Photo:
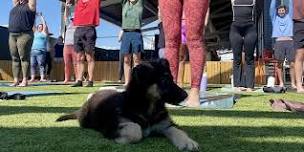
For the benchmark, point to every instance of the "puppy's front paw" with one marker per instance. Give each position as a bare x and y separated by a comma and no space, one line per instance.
187,144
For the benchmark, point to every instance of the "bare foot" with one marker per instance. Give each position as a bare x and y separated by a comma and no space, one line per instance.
43,80
293,86
32,80
249,90
281,85
242,88
237,89
65,81
193,98
14,84
301,90
23,84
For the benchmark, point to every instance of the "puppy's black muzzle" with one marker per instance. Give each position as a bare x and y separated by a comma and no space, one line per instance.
173,94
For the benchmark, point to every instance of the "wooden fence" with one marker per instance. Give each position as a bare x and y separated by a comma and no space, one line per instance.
218,72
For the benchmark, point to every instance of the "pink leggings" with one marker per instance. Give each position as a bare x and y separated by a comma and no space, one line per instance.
70,57
195,12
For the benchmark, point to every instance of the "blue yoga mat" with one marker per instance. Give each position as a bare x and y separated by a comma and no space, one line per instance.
5,85
214,101
34,93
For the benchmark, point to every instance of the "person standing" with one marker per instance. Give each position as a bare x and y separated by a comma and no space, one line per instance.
69,53
195,11
21,22
282,32
298,17
243,36
131,41
39,49
86,18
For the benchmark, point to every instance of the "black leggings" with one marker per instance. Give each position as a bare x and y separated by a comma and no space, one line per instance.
48,63
243,36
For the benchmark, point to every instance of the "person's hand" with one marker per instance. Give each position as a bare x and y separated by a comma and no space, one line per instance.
68,3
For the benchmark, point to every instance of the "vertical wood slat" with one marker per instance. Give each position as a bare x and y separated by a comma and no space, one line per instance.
6,70
225,72
213,72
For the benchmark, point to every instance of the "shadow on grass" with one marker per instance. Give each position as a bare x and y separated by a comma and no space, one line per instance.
56,94
9,110
210,138
237,114
42,93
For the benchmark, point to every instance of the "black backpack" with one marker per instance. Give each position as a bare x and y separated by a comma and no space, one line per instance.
17,96
274,89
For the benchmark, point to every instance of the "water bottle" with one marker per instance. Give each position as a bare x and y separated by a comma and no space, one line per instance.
270,81
204,82
231,81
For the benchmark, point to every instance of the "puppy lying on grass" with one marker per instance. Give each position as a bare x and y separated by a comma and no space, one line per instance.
139,111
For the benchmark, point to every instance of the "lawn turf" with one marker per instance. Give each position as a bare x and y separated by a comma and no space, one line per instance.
29,126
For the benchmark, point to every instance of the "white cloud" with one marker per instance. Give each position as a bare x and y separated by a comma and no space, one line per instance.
5,25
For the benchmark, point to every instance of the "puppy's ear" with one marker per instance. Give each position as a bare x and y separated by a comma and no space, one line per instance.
142,75
136,75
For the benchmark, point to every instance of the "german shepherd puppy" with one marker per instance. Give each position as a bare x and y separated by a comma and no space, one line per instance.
139,111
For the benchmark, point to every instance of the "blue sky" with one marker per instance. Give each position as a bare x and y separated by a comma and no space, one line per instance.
51,10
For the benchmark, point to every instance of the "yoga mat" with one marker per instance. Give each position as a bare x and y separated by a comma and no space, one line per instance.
216,100
35,93
210,100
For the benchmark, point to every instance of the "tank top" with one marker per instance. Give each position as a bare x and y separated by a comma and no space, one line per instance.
40,41
21,19
243,10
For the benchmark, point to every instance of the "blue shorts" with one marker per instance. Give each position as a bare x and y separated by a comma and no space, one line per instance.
131,42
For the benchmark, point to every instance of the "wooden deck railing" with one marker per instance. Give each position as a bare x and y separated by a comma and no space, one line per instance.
218,72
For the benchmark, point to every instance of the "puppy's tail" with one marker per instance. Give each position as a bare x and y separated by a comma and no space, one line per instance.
69,116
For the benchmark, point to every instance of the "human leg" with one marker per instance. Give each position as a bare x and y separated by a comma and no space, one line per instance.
34,64
279,55
250,39
195,11
24,44
299,69
171,16
299,57
67,58
41,64
15,58
91,64
127,67
236,41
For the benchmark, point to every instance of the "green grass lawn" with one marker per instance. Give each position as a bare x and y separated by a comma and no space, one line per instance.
29,126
